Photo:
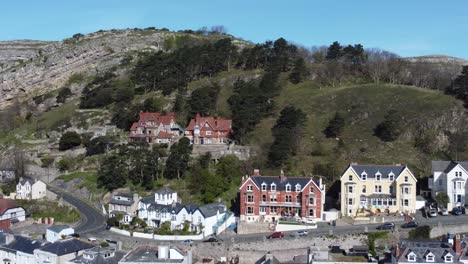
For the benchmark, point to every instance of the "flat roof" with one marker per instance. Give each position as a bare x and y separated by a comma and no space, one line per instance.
148,254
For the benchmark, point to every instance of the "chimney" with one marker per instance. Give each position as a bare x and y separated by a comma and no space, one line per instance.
397,251
256,172
398,164
281,175
268,256
136,197
457,244
354,163
320,182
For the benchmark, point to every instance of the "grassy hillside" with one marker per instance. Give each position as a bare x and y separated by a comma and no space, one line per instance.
363,107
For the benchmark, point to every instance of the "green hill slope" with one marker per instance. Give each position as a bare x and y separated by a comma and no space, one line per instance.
364,106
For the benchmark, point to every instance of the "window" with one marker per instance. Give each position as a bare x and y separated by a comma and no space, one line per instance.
249,210
272,209
311,190
448,258
412,257
378,176
350,189
404,202
364,177
273,198
458,174
273,187
208,132
149,131
311,212
406,178
391,177
264,198
364,189
378,188
288,198
406,190
288,187
250,198
459,185
249,187
350,177
173,217
390,189
350,201
298,187
311,201
264,187
184,217
199,219
430,257
262,210
298,199
440,182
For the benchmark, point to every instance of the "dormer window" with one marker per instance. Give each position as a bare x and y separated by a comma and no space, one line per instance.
430,257
391,176
448,258
288,187
378,176
264,187
298,187
412,257
364,176
249,188
273,187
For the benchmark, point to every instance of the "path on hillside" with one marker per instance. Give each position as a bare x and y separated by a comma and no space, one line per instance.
91,219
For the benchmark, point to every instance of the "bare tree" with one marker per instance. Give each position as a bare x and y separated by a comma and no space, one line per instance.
219,29
378,63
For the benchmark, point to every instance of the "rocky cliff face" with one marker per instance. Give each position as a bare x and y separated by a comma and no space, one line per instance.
31,68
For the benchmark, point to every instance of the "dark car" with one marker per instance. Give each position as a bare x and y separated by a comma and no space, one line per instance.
410,224
457,211
276,235
386,226
212,240
75,235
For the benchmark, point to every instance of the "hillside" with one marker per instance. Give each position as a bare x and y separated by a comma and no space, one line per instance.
363,107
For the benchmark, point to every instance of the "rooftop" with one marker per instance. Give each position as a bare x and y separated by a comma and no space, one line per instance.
67,246
148,254
57,228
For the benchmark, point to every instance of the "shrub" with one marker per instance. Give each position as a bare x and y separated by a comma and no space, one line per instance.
47,161
104,244
63,94
420,232
69,140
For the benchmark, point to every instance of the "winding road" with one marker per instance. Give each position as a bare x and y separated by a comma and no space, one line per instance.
91,219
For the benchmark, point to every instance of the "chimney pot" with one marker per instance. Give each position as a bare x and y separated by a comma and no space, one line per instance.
256,172
457,242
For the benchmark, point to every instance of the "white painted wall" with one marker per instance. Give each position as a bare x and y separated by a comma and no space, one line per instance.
17,212
8,254
52,236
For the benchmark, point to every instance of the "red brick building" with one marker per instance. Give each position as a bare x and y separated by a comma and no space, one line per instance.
208,130
154,127
267,198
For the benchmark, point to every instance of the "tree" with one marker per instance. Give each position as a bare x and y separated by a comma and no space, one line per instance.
299,71
153,104
203,100
98,145
69,140
112,173
390,129
287,133
229,167
459,87
178,159
63,94
335,126
334,51
442,199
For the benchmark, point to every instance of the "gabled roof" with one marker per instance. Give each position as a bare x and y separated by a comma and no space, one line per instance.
6,204
57,228
157,117
24,180
384,170
134,126
64,247
281,184
99,258
165,190
215,123
163,134
212,209
446,165
422,248
26,245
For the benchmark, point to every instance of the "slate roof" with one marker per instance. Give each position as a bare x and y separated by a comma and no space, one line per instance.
57,228
153,206
64,247
265,260
385,170
165,190
446,165
281,185
212,209
23,180
99,258
422,248
26,245
121,202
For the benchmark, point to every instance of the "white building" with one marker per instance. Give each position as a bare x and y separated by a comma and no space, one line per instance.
30,189
164,207
157,255
125,205
61,251
10,213
18,249
57,232
450,177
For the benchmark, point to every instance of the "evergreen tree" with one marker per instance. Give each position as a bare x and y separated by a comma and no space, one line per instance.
112,173
177,162
299,71
459,87
69,140
391,128
335,126
287,133
335,51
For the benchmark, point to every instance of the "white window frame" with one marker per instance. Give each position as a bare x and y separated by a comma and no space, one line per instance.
262,209
250,207
298,187
448,258
208,132
288,198
411,258
273,187
288,187
406,179
249,187
350,178
364,176
378,176
350,201
391,176
377,188
364,189
264,186
350,189
430,257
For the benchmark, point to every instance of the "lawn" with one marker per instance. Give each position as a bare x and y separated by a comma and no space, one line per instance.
45,208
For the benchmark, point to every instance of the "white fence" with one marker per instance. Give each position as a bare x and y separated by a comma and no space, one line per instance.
156,237
120,231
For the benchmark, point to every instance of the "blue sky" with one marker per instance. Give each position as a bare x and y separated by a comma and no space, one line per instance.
406,27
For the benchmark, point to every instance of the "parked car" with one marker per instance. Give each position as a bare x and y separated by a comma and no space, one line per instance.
457,211
189,242
309,220
410,224
92,239
433,213
444,212
212,239
110,241
276,235
300,233
386,226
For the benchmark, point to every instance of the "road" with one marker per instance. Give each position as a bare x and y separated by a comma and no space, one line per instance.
91,219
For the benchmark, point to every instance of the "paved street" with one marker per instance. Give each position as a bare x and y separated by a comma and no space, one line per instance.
91,219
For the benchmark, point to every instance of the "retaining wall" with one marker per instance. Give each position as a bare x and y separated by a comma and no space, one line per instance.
443,229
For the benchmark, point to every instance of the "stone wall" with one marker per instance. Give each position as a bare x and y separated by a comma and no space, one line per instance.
440,230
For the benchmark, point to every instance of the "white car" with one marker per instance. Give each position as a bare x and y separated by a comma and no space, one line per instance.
187,242
92,239
444,212
302,233
433,213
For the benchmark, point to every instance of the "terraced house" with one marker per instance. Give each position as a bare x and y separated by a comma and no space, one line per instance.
377,189
267,198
